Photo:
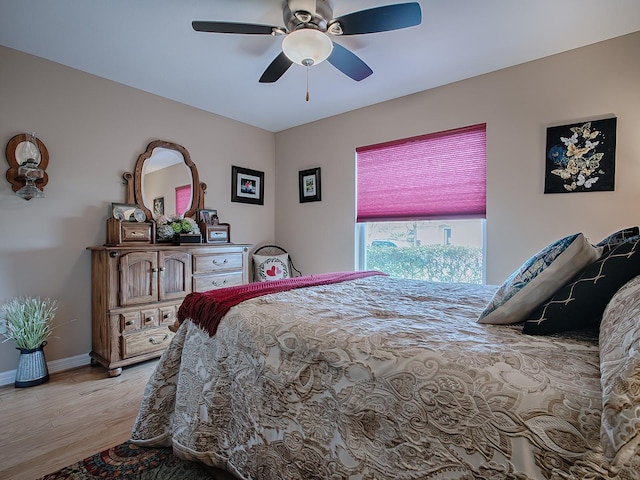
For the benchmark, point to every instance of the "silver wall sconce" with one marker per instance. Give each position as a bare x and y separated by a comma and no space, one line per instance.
28,159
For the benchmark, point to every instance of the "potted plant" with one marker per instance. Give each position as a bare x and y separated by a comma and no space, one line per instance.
173,228
28,322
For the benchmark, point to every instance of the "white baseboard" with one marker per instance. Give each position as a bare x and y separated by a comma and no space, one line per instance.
68,363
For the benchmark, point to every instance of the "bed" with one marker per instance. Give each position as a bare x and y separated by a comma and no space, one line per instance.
372,378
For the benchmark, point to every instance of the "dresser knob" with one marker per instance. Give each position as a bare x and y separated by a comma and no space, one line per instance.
129,322
148,319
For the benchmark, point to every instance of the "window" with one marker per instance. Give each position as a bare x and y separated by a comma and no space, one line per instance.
427,197
183,199
424,250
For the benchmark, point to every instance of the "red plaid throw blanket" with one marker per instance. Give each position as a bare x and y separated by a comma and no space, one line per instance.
206,309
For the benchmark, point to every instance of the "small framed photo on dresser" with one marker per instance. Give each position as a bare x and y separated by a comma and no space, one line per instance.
208,217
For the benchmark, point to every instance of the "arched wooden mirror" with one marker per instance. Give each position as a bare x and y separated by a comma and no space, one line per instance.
165,181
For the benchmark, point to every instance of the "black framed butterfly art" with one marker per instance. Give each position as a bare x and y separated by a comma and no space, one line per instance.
581,157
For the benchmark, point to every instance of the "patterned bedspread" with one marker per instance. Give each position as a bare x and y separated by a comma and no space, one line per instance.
377,378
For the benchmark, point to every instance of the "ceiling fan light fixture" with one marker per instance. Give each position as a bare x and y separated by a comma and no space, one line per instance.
307,46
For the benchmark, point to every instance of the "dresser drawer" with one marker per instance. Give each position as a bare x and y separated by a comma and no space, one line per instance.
150,318
168,315
216,262
124,232
129,322
136,232
145,341
203,283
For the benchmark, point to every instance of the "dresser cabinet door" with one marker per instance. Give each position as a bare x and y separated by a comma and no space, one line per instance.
175,275
138,278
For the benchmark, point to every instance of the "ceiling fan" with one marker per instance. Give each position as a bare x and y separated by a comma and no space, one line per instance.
308,31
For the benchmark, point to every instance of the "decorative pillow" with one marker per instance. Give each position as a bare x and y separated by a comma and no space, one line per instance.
271,267
538,279
620,374
581,302
617,238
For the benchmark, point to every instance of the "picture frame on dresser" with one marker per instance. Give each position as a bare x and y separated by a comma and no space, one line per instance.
128,212
208,216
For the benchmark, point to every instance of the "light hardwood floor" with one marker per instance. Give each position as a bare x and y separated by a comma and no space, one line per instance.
75,414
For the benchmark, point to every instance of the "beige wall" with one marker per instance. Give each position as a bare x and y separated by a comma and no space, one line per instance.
94,130
517,104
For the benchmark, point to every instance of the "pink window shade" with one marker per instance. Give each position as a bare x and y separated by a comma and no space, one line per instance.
183,199
440,175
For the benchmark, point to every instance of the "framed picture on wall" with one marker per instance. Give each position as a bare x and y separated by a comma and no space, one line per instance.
580,157
309,185
247,186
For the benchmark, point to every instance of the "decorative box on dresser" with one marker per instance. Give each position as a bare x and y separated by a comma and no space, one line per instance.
137,289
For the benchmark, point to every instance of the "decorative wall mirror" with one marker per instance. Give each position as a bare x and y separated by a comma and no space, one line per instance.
165,177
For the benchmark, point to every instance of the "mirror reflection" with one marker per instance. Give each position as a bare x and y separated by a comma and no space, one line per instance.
166,178
167,183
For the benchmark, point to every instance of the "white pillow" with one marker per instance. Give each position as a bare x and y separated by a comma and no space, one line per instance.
538,279
271,267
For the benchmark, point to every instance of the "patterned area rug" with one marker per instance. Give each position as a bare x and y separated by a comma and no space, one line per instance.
131,462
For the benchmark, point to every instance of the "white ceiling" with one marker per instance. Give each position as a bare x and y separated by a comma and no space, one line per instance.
150,45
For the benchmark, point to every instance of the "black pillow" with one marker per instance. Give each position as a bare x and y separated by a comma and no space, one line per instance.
581,302
617,238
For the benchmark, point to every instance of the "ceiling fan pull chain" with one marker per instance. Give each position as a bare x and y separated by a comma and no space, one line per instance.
307,97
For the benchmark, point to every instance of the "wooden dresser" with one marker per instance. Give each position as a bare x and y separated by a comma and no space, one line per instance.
137,290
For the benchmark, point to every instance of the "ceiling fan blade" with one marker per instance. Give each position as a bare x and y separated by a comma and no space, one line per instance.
348,63
276,69
230,27
381,19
